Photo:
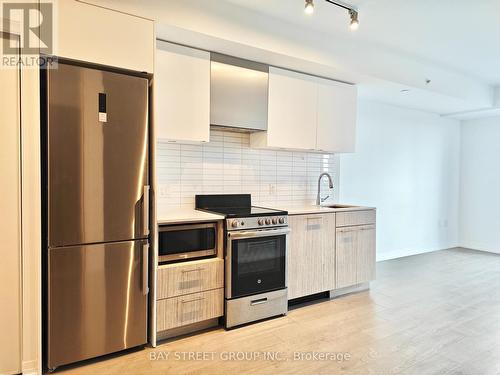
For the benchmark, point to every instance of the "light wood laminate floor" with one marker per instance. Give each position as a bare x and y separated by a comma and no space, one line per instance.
436,313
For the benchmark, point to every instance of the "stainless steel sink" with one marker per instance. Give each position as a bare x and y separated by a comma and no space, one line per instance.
339,206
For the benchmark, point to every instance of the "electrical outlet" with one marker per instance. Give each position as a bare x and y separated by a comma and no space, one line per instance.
443,223
272,189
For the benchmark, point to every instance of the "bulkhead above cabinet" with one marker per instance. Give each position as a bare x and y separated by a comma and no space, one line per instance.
97,35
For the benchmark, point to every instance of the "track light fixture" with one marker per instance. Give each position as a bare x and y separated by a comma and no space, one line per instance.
309,9
353,12
354,19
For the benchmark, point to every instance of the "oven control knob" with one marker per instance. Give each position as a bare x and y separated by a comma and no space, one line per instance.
275,221
282,220
268,221
260,221
234,224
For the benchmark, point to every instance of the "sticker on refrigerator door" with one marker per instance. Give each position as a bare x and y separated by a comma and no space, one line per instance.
103,115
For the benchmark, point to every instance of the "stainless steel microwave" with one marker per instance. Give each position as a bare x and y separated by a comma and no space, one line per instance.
180,242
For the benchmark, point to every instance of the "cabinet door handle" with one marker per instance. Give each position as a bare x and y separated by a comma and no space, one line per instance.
193,270
354,228
193,300
316,217
368,227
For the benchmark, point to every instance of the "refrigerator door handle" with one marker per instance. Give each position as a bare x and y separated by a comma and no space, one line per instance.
145,268
145,211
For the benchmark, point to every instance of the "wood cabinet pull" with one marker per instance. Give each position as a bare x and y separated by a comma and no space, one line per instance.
193,300
314,222
355,228
366,227
193,270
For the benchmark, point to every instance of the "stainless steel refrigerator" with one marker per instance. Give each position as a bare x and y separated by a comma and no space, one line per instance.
97,212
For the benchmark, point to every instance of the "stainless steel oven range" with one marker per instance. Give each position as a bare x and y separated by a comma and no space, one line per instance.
255,269
255,258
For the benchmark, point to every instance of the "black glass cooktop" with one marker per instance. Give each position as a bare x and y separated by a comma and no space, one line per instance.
233,205
245,211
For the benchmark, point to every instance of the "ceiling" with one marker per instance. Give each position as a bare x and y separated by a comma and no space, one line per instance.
462,35
400,44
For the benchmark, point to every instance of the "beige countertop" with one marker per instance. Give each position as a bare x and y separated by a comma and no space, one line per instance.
190,215
313,209
185,215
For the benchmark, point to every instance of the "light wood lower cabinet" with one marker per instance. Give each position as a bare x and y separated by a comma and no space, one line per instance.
330,251
346,258
190,277
355,254
311,258
188,309
189,292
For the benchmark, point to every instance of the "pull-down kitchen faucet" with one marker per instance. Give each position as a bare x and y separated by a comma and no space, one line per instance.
330,182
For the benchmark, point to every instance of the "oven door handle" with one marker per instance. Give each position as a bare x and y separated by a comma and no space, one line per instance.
258,233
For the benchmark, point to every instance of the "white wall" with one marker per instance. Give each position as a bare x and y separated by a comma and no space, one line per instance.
407,165
480,185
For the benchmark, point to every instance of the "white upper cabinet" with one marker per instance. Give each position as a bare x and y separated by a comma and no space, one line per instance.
337,104
308,113
182,93
292,111
98,35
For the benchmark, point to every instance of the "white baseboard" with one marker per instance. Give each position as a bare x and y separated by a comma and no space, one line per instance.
406,253
30,367
409,252
479,247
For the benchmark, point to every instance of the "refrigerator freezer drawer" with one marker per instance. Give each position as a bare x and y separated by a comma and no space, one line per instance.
97,300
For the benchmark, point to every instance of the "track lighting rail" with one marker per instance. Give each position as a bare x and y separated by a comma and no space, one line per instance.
342,5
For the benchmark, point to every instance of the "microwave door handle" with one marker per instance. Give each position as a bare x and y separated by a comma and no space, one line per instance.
256,234
145,211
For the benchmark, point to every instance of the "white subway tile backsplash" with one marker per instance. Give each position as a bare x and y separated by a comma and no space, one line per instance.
228,165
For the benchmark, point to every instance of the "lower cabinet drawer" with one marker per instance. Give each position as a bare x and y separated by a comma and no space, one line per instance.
346,219
260,306
178,279
192,308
